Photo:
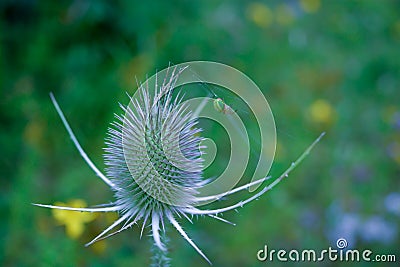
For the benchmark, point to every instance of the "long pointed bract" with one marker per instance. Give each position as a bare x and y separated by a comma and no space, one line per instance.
221,219
267,188
105,209
123,228
155,224
237,189
108,229
76,143
183,233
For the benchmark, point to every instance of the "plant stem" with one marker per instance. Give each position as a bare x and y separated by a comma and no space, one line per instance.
160,257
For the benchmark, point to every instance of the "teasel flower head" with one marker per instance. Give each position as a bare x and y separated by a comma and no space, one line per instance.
154,167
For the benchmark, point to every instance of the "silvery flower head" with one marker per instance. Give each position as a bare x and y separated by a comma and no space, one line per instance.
154,166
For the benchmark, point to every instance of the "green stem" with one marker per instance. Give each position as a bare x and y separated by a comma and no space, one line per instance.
160,257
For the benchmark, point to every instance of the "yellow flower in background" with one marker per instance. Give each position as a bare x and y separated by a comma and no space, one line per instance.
260,14
321,111
100,247
34,133
310,6
280,152
397,25
396,29
395,151
73,220
284,15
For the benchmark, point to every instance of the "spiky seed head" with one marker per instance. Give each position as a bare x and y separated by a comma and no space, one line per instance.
152,154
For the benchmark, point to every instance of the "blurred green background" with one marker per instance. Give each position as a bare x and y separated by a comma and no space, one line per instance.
329,66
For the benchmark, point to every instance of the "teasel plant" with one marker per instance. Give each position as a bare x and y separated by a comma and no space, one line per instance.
153,179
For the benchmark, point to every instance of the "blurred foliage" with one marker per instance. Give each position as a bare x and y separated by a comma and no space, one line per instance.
329,66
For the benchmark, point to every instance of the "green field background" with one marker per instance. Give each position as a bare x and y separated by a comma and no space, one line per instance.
330,66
